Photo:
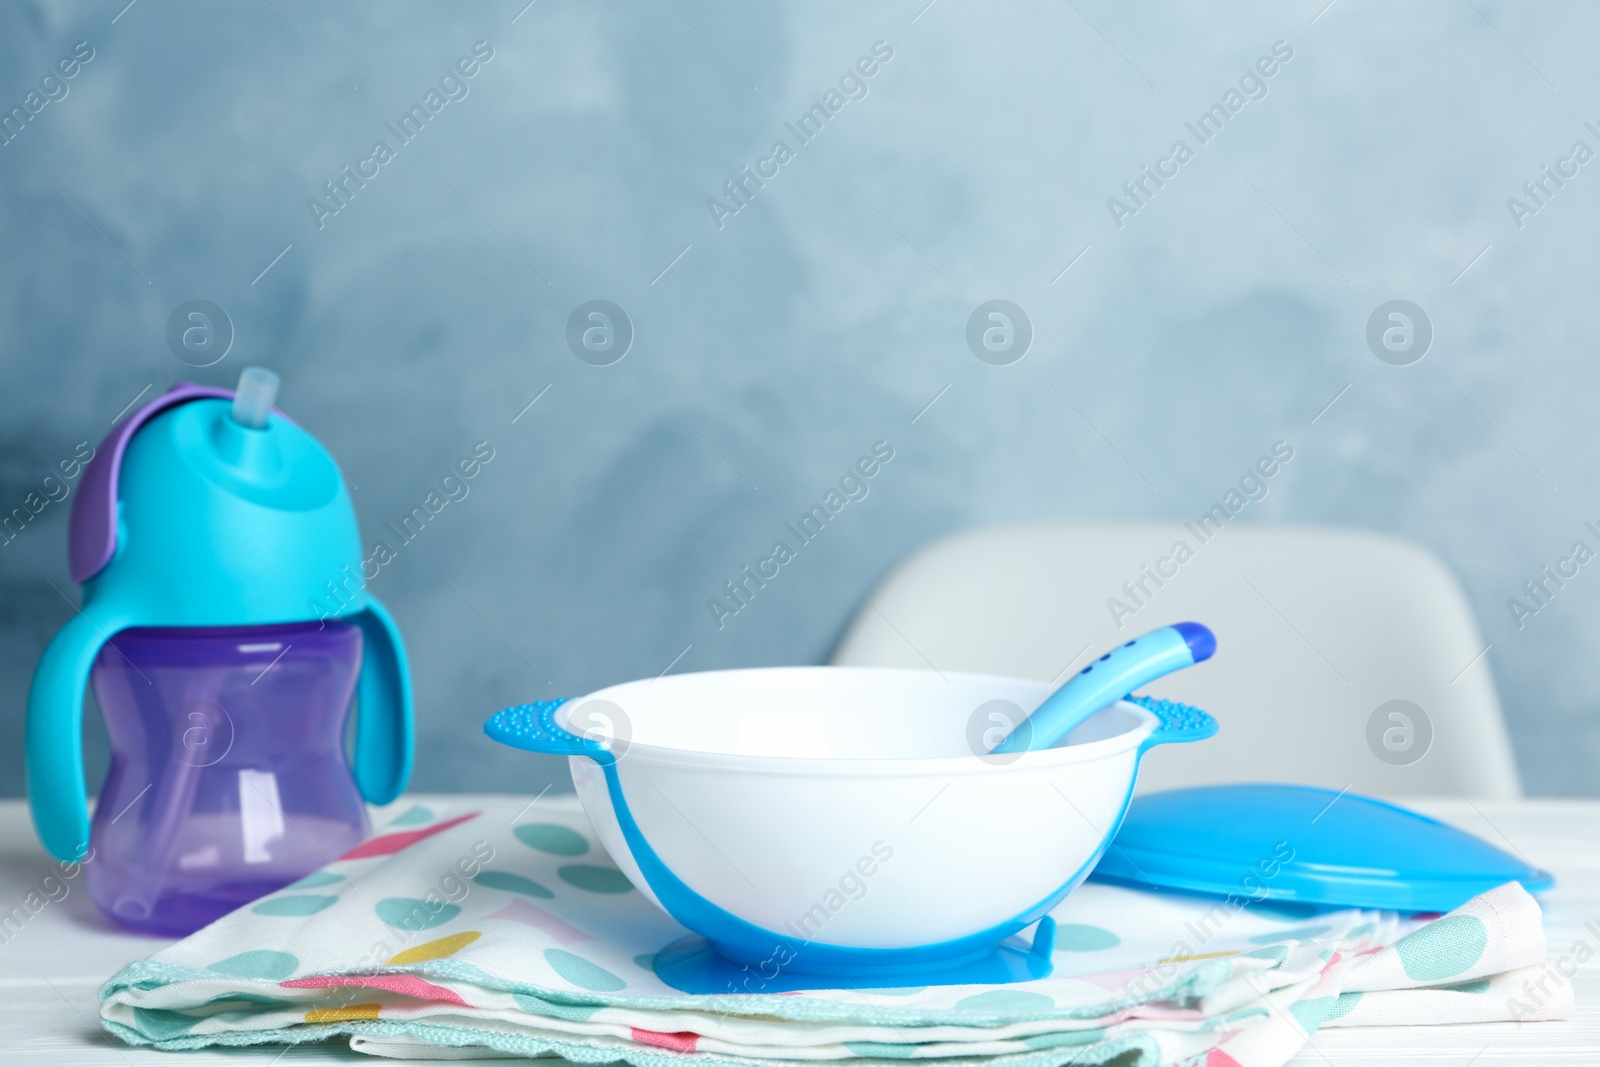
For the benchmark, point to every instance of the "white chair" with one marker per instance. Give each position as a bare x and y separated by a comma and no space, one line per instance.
1317,629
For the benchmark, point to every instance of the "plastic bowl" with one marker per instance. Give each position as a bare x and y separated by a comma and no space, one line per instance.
846,820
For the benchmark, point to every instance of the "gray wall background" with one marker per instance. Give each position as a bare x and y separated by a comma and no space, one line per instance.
427,313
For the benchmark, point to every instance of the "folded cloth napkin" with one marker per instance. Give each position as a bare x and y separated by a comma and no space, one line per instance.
502,927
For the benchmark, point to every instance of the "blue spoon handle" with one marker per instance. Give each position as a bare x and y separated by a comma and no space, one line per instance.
1108,679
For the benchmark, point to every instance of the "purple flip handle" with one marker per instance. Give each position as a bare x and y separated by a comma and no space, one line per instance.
92,530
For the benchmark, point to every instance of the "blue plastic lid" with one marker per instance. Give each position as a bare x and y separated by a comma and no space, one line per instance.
1292,843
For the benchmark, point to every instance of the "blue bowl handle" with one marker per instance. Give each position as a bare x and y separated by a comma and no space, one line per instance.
533,727
1179,722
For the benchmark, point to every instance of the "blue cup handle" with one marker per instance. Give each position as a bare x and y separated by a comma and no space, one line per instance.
384,745
1180,723
54,732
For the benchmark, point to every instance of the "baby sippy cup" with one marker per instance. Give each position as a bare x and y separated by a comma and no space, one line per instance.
225,631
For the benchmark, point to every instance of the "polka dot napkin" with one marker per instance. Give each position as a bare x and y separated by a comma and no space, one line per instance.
504,927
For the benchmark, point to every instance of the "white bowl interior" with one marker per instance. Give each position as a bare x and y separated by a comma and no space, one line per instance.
824,712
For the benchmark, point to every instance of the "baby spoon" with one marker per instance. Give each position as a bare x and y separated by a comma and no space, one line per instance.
1108,679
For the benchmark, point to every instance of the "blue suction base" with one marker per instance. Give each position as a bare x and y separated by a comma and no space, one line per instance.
692,965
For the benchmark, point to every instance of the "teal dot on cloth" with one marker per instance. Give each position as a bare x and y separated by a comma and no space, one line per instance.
551,838
161,1025
1225,1021
1443,948
298,904
259,963
1081,937
318,879
878,1050
540,1006
413,817
1005,1001
1275,953
1311,1013
1347,1003
1064,1039
595,879
512,883
1302,933
581,973
1284,910
1480,986
223,1003
646,961
409,913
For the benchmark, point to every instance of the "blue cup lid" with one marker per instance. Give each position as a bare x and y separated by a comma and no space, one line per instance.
1262,843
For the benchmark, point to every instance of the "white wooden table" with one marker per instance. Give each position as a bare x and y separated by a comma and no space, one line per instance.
51,968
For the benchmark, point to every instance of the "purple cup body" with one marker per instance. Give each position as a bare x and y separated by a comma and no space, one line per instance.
228,778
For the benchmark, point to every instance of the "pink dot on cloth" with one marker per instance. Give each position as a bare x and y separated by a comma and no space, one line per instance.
407,985
1113,979
520,911
679,1042
389,844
